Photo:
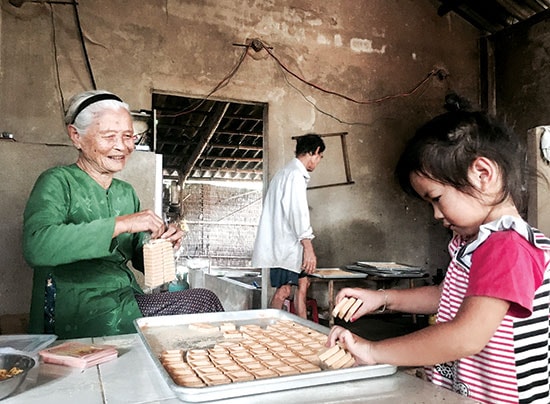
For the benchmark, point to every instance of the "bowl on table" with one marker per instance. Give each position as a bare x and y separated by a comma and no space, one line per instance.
17,367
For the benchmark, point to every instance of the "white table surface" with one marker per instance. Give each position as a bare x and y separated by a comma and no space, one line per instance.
133,378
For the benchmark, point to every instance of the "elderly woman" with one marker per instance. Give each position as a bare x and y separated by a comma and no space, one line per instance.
82,226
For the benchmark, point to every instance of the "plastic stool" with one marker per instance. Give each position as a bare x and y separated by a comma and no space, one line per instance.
311,306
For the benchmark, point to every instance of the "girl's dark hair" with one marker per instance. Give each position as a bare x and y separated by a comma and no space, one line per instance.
309,144
444,148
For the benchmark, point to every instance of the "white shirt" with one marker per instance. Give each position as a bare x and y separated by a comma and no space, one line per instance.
284,221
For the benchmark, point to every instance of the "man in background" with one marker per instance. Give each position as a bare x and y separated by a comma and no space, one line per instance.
283,242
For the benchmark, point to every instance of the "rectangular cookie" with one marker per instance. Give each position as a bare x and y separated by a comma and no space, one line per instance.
339,306
353,309
328,353
346,307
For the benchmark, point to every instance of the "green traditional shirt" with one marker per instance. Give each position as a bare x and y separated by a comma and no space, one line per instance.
68,226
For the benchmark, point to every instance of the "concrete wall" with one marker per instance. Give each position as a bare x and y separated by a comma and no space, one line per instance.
364,50
522,67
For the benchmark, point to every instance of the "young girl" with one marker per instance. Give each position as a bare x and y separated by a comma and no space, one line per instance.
491,339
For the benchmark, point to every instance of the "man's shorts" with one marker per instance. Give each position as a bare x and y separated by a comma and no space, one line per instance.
280,277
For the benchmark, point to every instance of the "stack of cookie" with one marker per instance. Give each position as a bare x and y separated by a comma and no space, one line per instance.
346,308
336,358
159,263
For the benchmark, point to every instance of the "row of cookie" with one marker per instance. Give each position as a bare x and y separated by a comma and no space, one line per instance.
230,329
202,371
333,358
279,344
282,336
284,347
288,327
282,329
248,351
287,333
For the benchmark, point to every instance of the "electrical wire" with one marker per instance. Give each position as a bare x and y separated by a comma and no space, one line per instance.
434,72
257,45
57,75
224,82
83,42
55,53
285,78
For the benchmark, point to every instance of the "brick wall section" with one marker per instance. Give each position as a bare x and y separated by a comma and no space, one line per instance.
221,223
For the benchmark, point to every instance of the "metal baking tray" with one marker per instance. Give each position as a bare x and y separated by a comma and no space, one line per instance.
172,332
389,266
387,269
30,343
336,273
387,274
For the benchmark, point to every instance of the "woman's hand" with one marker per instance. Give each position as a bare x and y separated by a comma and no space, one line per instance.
358,347
372,300
174,234
146,221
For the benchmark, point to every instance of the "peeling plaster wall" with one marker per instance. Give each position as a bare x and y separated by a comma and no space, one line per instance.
364,50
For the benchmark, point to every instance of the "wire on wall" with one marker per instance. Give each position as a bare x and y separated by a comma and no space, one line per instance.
84,50
256,45
315,106
431,74
224,82
74,3
57,75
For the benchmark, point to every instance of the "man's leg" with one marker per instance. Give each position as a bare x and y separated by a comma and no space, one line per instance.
281,293
300,297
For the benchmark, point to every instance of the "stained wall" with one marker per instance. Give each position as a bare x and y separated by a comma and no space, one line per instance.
364,51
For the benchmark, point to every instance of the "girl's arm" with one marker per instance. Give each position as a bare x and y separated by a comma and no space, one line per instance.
467,334
421,300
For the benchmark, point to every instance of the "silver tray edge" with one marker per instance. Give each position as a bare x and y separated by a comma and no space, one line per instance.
247,388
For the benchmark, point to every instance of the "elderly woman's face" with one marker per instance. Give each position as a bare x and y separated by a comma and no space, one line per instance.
108,142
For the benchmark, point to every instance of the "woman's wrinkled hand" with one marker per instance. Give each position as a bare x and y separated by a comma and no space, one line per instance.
144,221
174,234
